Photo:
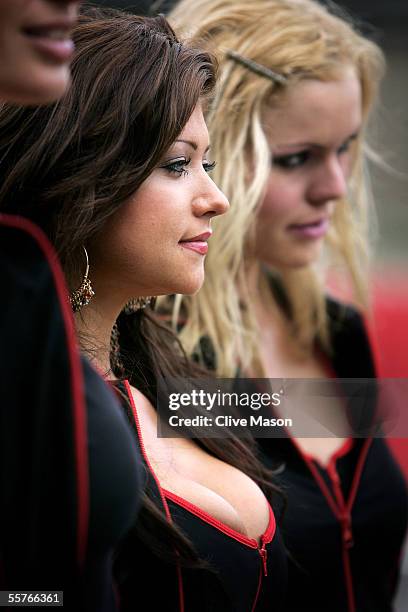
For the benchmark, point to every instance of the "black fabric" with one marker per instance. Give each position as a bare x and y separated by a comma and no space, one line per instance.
351,353
114,484
229,584
310,529
236,568
38,428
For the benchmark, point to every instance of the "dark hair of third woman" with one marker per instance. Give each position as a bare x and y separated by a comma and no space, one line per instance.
71,165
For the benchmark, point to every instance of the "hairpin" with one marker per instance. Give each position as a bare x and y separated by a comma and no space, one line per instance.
257,68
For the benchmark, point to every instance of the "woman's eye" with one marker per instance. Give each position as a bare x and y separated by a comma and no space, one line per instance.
209,166
178,166
289,162
344,148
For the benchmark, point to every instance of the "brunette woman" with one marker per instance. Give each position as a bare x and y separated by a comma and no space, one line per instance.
120,167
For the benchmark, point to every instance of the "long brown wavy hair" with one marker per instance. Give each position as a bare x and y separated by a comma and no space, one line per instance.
71,165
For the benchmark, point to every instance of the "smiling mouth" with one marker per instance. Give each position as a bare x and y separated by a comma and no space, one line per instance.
313,230
53,40
197,243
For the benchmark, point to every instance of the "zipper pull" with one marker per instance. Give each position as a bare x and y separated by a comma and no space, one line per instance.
347,530
264,556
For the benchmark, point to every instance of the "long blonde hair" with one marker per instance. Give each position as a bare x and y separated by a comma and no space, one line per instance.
298,39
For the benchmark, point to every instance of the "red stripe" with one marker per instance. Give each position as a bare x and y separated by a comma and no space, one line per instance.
340,452
211,520
266,538
341,508
318,478
349,580
77,385
358,473
163,498
258,589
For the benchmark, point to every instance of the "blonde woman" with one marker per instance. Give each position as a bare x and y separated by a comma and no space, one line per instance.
288,131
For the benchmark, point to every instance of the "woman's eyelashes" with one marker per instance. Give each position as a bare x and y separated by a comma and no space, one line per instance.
179,166
208,166
345,147
291,161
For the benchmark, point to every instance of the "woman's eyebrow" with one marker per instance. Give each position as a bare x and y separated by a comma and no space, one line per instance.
306,145
354,135
192,144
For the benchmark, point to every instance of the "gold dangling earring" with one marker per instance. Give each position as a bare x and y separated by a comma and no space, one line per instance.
138,303
82,296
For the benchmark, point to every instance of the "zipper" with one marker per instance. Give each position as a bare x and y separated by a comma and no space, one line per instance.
263,570
264,557
342,510
344,516
266,538
346,529
340,507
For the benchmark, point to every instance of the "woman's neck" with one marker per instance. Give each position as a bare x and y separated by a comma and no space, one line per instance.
94,325
258,287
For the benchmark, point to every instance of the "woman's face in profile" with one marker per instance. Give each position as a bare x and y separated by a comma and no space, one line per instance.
35,49
311,134
156,243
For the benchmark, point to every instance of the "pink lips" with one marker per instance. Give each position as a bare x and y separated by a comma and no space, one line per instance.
52,40
311,230
197,243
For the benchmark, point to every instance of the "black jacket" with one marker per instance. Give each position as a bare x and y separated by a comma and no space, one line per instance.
55,412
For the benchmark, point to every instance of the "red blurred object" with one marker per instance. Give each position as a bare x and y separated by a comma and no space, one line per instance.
389,334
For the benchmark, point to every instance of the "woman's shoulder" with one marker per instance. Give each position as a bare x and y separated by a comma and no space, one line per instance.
351,348
343,313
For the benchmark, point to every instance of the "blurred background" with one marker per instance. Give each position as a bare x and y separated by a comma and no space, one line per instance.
386,21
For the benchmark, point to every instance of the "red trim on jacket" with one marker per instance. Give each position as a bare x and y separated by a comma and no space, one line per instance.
340,507
344,449
265,538
77,384
162,496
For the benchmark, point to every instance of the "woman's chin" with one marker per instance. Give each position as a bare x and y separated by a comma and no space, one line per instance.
35,90
184,286
192,285
294,259
191,289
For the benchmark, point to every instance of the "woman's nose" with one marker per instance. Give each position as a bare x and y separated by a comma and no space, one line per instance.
329,184
211,202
